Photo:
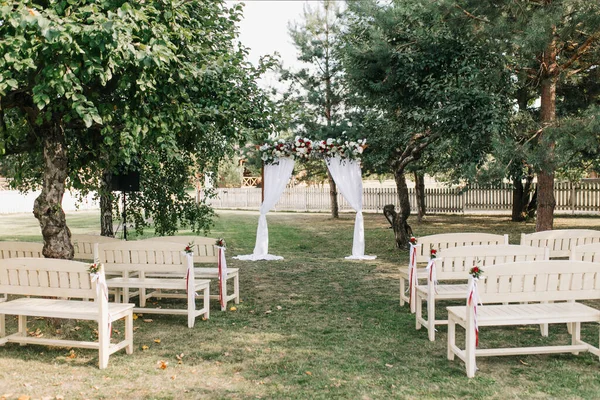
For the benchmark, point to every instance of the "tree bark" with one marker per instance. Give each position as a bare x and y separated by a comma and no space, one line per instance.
523,204
48,205
106,206
333,196
545,199
420,193
402,230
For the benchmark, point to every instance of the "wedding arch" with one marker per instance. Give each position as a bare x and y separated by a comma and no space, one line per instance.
343,162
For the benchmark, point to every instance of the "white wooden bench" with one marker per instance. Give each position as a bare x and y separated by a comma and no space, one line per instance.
452,267
137,259
43,277
560,241
560,282
19,249
441,242
586,252
84,245
205,253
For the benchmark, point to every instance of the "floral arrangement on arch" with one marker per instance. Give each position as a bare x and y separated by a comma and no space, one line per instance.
343,149
274,149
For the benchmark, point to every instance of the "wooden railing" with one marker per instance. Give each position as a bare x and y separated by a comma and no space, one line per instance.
250,181
570,198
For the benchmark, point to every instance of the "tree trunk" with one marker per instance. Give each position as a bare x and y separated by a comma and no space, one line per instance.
48,206
545,173
402,231
106,206
420,192
333,196
524,204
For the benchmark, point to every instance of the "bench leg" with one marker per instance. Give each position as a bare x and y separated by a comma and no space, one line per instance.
402,290
575,334
129,333
2,325
470,349
418,312
22,327
451,338
431,318
236,288
191,308
103,344
207,303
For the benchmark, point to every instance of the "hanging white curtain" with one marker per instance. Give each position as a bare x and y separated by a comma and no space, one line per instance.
277,176
348,178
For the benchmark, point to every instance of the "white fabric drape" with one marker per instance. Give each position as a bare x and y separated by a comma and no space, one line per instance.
277,176
348,178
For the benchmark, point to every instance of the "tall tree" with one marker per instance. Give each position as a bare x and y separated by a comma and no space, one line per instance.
160,85
429,83
549,43
317,89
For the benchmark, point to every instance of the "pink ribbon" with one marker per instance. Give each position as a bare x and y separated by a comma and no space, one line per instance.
412,273
473,299
432,275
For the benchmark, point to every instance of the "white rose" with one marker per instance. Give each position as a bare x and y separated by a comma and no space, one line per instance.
360,150
329,141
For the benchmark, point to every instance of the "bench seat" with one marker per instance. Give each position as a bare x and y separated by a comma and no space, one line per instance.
67,309
527,314
205,273
199,286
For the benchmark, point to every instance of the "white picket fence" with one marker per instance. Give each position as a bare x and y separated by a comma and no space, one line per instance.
579,198
12,202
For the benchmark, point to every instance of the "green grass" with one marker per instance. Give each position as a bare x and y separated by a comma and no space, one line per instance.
313,326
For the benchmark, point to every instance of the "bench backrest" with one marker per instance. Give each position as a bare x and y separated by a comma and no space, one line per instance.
586,252
455,263
552,280
142,256
21,249
560,241
46,277
205,250
449,240
84,245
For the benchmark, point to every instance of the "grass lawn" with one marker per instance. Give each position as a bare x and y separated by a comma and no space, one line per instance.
313,326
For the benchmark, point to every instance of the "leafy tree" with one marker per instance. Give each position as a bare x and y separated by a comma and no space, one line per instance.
550,45
430,82
100,86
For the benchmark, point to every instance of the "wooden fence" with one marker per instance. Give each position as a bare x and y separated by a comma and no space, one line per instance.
571,198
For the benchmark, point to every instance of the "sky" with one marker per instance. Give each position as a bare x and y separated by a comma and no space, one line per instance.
264,29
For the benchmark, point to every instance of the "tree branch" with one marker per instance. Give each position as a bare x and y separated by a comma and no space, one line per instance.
580,51
468,14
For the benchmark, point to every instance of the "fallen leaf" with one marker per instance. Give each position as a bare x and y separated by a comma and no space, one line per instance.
148,320
233,309
144,347
156,340
72,354
24,397
163,364
5,396
135,328
135,316
308,373
279,307
389,365
523,362
173,378
268,312
349,319
204,318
